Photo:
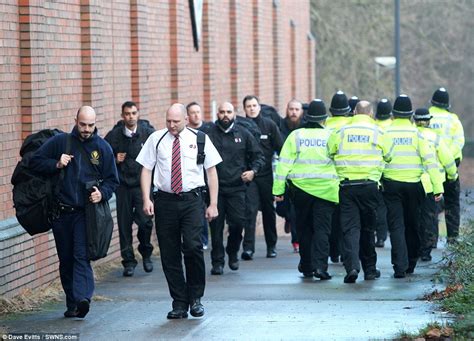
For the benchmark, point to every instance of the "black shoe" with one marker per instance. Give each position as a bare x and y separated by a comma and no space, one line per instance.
371,275
399,274
426,258
322,275
334,259
217,270
177,313
128,271
351,276
234,263
70,313
271,253
147,264
379,243
197,309
247,255
83,308
287,226
410,270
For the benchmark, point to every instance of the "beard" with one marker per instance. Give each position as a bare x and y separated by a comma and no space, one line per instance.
225,124
293,124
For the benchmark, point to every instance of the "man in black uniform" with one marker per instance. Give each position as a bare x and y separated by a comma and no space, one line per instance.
259,191
126,140
242,160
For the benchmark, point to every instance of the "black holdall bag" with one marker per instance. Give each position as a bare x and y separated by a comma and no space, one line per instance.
99,226
35,195
99,221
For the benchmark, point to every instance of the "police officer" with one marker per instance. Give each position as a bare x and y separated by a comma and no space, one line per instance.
449,127
403,191
69,229
383,119
259,191
359,150
352,103
286,208
340,110
242,160
313,185
126,140
179,176
447,169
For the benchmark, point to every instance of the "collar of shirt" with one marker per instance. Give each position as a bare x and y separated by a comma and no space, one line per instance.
130,133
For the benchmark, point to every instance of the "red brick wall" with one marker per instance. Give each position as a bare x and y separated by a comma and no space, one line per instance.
58,55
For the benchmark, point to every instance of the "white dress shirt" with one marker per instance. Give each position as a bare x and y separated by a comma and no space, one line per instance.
160,159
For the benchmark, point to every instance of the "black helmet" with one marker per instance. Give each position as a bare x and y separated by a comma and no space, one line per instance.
339,104
422,114
316,111
402,107
353,102
384,109
441,98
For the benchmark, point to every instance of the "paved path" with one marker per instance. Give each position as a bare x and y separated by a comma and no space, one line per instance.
266,299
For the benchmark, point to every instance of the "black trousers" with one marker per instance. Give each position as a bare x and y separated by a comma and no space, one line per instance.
129,210
259,196
428,225
403,201
358,204
336,241
452,191
313,226
382,226
231,206
178,222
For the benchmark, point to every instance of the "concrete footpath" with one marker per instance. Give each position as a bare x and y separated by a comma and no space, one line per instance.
265,299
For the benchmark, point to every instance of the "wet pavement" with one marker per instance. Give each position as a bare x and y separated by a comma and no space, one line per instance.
265,299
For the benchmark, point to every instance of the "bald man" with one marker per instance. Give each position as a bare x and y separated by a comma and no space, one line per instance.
69,228
179,176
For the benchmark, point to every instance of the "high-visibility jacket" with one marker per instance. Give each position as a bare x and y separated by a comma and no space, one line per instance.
304,160
412,155
384,124
447,165
360,150
337,122
447,125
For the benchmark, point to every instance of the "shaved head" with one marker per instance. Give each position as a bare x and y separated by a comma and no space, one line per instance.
85,122
364,108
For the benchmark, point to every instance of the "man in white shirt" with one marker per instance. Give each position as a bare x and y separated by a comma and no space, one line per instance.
179,177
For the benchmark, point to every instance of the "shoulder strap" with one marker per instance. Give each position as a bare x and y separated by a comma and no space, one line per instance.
57,188
161,138
201,143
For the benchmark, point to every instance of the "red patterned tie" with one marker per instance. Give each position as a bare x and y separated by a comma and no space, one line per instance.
176,180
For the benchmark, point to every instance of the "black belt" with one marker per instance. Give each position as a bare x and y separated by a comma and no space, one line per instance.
178,197
63,208
362,182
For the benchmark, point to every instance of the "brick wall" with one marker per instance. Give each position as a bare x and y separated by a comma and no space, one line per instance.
58,55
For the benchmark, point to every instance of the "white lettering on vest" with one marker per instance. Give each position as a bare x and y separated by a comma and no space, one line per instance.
313,142
405,141
358,138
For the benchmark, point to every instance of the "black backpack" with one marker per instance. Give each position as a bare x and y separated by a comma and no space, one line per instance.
34,194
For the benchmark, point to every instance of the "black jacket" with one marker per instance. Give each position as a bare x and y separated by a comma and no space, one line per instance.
129,170
239,151
270,141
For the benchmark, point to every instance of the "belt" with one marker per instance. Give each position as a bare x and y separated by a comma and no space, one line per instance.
362,182
63,208
195,193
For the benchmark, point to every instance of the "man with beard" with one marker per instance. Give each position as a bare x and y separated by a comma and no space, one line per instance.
285,208
242,159
69,229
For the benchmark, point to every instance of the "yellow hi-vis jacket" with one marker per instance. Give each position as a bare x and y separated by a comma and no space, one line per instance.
412,155
304,160
337,122
447,165
384,124
449,127
360,150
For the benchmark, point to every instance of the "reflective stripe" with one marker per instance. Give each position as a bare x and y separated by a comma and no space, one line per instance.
409,130
407,166
407,153
297,139
288,161
368,163
280,177
429,156
359,127
313,162
432,166
373,151
312,176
